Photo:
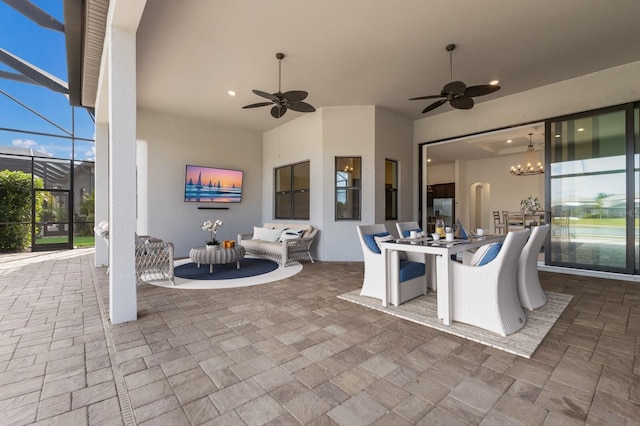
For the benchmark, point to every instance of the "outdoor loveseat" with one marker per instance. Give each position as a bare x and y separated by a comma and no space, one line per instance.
280,242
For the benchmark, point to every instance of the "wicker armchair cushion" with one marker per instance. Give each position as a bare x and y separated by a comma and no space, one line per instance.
370,240
410,270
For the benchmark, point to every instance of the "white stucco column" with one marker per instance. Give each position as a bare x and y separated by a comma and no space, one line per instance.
142,188
102,189
121,65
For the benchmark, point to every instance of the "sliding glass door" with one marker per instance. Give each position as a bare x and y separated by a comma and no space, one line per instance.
591,191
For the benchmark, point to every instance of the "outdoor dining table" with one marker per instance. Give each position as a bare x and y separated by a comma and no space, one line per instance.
442,250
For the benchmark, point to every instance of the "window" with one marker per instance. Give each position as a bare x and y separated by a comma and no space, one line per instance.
292,191
348,188
390,189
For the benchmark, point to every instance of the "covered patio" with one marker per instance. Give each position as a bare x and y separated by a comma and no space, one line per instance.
293,353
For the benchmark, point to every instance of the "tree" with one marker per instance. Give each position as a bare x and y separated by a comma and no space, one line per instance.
15,209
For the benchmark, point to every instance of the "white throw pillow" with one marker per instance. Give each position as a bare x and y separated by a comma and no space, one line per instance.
290,234
266,234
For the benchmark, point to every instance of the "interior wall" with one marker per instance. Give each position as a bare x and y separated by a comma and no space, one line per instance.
506,190
393,136
348,132
297,141
172,143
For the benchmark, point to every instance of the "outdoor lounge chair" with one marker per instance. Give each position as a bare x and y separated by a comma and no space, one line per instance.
529,289
407,277
486,295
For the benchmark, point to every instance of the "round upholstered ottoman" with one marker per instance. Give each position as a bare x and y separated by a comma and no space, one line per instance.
202,255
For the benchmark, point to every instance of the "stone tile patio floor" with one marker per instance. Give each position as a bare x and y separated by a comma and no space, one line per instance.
291,352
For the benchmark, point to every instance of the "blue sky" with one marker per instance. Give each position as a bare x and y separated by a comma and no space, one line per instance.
45,49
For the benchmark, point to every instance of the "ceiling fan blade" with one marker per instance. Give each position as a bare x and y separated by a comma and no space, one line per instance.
295,95
456,87
266,95
434,105
426,97
462,102
260,104
301,107
278,111
481,90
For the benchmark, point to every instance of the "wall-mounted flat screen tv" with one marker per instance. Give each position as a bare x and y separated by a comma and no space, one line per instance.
212,185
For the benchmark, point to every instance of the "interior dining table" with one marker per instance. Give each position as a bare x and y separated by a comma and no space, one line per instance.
519,220
442,250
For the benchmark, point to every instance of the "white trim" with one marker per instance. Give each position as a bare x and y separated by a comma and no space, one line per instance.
588,273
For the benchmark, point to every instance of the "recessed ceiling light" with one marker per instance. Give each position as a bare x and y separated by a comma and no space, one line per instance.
581,129
494,82
231,93
428,160
557,136
509,141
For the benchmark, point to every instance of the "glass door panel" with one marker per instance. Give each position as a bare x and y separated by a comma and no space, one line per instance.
52,228
588,192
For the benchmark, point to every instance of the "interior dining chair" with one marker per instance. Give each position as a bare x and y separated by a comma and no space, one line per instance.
485,292
408,279
529,289
499,226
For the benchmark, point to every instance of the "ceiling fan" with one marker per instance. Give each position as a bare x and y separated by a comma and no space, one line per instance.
292,99
456,92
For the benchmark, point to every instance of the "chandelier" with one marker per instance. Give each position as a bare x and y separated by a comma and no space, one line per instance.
531,164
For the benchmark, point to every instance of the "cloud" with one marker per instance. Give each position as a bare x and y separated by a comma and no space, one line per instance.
91,154
25,143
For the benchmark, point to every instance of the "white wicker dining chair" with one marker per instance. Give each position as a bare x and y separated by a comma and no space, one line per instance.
374,284
404,230
486,296
529,289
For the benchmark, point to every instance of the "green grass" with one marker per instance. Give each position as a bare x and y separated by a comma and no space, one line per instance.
77,241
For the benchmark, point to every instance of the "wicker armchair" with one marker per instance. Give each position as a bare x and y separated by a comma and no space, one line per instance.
529,289
408,278
154,260
487,296
154,257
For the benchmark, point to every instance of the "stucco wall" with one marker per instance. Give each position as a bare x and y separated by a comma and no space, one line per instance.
172,143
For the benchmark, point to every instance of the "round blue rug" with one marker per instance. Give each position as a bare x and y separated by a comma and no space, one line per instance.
249,267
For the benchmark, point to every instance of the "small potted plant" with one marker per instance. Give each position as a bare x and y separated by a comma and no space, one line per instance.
212,227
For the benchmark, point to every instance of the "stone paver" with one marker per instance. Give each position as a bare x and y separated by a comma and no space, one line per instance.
291,352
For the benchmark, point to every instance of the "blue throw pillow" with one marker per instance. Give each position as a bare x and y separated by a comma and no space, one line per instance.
370,241
490,254
407,233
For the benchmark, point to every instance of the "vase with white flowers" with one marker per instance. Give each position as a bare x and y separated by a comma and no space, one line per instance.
530,204
212,227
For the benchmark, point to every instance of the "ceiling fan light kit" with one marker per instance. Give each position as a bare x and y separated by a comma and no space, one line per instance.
457,93
531,164
281,102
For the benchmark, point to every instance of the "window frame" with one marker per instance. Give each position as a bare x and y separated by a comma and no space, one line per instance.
352,188
291,191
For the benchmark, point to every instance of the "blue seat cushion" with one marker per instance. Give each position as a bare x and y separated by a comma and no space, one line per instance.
490,254
370,241
407,233
410,270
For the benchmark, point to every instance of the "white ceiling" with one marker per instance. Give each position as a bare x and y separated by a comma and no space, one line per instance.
368,52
